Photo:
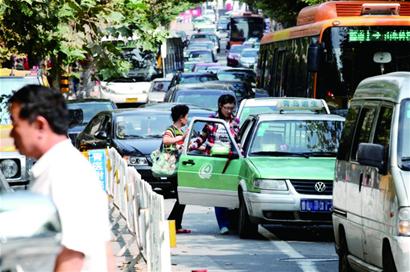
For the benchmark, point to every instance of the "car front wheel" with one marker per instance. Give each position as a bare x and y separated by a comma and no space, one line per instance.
246,229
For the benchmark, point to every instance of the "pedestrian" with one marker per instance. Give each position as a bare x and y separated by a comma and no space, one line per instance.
212,134
40,121
173,140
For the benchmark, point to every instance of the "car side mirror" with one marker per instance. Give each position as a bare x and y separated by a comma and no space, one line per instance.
30,228
315,56
101,135
76,117
372,155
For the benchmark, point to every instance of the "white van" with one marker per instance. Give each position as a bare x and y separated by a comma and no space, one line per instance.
371,190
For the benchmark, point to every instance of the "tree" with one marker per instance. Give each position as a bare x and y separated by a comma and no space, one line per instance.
283,11
68,31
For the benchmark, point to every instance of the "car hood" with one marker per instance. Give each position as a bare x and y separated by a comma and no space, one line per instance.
137,146
294,168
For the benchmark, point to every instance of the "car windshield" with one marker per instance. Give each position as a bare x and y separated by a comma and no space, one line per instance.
7,86
249,53
202,45
242,76
141,125
297,138
197,79
403,139
90,108
200,56
255,110
202,99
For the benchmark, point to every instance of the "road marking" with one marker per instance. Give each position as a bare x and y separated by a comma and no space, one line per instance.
304,264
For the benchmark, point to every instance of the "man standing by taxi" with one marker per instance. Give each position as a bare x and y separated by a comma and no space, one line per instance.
40,121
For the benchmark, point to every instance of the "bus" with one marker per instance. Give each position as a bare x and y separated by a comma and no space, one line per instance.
333,47
243,27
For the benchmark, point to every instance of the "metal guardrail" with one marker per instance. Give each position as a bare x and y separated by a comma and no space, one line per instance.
141,208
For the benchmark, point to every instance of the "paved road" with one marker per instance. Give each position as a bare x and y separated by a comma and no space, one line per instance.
286,249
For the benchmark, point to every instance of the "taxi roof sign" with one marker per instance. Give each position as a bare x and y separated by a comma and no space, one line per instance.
302,104
290,104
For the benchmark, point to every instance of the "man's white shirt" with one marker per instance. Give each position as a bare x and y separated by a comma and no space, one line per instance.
69,179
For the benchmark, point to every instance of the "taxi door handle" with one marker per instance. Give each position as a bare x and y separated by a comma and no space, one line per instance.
191,162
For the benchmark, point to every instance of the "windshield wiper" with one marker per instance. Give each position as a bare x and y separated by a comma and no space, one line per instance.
153,136
406,159
133,136
320,154
280,153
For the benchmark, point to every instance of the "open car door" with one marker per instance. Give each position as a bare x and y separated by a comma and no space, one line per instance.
209,178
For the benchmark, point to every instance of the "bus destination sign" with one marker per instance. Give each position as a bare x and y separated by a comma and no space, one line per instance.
368,35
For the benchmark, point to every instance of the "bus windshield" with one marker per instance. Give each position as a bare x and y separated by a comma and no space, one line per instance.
349,57
243,28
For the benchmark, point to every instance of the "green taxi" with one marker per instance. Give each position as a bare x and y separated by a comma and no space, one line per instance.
281,171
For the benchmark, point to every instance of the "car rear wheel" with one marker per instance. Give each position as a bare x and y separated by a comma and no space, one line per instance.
246,229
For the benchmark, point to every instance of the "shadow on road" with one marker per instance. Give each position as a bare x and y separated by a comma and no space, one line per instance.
302,233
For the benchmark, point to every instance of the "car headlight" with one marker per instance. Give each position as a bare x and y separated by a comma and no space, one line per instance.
136,161
404,221
271,184
9,168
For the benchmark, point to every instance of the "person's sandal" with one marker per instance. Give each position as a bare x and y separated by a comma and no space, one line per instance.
183,231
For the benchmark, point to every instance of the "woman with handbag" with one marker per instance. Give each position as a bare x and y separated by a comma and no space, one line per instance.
173,140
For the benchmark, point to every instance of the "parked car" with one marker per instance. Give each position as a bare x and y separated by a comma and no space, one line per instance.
200,22
134,133
232,58
89,108
223,23
244,74
125,91
202,44
208,30
188,78
199,96
215,69
157,90
371,204
242,90
201,55
281,173
207,36
203,67
248,58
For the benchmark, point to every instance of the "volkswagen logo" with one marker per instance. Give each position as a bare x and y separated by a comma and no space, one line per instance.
320,187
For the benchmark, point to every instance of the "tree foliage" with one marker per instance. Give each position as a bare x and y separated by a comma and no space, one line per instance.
283,11
68,31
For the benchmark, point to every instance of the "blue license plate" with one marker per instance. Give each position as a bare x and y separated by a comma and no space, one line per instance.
315,205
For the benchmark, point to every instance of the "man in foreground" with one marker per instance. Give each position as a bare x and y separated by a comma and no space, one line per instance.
40,121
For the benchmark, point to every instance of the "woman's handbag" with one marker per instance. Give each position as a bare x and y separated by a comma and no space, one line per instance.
163,164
